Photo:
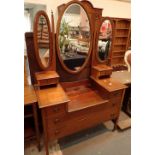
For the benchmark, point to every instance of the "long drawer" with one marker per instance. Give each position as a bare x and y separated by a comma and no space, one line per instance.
75,123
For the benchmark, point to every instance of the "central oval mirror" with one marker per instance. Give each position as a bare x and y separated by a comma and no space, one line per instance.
74,38
105,40
42,38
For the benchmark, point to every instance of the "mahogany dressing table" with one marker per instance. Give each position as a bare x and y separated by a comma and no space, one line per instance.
77,99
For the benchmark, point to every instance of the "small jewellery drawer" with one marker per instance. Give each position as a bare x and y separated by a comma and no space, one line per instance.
53,81
43,82
55,110
102,73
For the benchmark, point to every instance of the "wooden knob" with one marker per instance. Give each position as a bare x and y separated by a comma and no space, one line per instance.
57,132
56,120
56,109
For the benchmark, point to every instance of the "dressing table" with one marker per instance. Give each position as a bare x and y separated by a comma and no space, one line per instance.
81,96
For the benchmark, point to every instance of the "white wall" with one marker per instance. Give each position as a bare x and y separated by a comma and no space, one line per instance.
111,8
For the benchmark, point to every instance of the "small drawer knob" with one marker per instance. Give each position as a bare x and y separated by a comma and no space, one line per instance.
56,109
56,120
57,132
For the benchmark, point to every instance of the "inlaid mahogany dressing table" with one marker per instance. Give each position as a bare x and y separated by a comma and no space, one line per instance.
72,98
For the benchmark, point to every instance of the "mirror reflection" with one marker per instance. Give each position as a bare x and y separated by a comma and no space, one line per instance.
43,40
105,38
74,37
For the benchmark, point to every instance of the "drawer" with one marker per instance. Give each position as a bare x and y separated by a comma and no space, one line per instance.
55,110
55,121
59,132
71,125
108,72
102,73
53,81
115,101
43,82
116,94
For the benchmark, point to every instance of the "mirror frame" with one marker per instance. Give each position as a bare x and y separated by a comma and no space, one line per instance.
35,29
57,37
97,38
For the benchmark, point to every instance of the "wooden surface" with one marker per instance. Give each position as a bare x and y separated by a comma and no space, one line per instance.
101,71
109,84
83,97
46,75
29,95
123,77
51,96
102,67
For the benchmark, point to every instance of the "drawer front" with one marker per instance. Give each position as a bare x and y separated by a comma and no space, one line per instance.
108,72
53,81
116,94
55,110
58,127
102,73
82,122
56,121
43,82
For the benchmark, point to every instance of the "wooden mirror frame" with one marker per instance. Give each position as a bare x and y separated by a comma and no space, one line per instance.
35,29
57,37
106,61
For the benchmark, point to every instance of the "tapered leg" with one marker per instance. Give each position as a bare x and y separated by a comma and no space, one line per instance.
46,146
36,125
115,124
45,131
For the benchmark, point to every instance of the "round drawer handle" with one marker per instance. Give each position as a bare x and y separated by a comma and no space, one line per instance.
57,132
56,120
56,109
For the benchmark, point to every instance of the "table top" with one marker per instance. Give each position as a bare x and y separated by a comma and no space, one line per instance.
51,96
29,95
110,84
123,77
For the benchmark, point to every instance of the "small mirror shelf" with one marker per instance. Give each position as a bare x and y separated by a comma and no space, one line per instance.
74,38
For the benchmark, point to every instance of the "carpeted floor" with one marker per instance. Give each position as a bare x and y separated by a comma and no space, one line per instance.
99,140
